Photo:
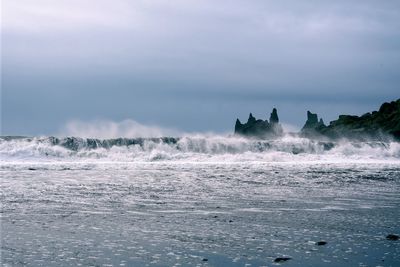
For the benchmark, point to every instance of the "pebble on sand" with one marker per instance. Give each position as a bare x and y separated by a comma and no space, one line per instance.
392,237
282,259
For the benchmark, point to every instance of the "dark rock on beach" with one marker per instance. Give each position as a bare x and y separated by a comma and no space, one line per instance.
392,237
282,259
260,128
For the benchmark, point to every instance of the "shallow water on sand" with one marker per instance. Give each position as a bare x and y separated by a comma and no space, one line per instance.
205,214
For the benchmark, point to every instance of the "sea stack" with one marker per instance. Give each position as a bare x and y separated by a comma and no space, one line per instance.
274,116
259,128
312,127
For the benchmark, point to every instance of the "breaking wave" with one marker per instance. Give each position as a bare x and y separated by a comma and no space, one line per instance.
196,148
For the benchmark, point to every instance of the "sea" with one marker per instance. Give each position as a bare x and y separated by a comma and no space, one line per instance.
198,200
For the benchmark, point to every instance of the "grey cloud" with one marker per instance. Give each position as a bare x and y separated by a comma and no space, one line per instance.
171,62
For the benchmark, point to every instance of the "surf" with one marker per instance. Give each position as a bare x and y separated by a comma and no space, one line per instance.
192,148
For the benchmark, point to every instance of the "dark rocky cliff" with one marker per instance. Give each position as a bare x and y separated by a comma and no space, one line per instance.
383,124
377,125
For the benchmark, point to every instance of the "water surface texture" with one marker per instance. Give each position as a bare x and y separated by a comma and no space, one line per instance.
213,202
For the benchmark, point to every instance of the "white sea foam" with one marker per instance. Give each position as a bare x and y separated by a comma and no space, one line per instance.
194,148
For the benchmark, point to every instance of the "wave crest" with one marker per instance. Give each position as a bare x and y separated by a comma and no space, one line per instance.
192,148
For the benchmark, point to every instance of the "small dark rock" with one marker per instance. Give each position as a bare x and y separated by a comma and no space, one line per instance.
205,259
282,259
321,243
392,237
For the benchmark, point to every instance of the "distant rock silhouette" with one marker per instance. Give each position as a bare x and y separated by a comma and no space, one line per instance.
378,125
274,116
260,128
383,124
312,126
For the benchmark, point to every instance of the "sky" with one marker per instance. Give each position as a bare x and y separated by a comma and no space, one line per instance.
193,66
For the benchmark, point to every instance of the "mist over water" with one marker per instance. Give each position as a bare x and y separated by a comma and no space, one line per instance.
114,129
194,148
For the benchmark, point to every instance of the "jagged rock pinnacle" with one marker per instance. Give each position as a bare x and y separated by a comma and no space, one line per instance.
251,119
260,128
274,116
312,118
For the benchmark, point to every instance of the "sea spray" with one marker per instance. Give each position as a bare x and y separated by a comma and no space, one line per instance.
193,148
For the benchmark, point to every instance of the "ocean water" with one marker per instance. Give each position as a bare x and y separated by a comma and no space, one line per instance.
198,201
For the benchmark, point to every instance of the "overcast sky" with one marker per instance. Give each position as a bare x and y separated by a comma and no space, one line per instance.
194,65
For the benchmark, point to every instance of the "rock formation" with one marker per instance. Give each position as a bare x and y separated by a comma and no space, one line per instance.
378,125
312,127
274,116
383,125
260,128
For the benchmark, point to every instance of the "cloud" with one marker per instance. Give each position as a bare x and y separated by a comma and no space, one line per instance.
194,64
47,15
109,129
185,16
